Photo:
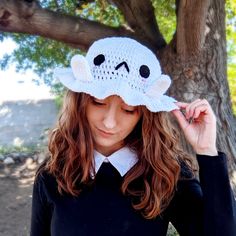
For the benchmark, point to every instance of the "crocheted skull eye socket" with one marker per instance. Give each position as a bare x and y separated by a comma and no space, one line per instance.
98,60
144,71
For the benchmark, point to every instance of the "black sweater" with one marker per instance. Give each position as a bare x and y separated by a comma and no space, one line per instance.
207,208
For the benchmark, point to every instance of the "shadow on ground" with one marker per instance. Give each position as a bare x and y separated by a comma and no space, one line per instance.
16,182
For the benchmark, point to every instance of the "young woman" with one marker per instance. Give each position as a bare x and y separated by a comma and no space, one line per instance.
115,165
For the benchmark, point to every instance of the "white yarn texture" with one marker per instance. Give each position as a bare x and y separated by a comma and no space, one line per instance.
119,66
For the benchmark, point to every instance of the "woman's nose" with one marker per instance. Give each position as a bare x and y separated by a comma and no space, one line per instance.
110,119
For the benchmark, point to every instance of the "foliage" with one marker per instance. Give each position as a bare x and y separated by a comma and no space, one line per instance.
20,149
101,11
166,18
172,231
232,84
231,48
59,101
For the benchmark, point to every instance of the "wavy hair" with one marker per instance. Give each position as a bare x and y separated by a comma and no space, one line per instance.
154,139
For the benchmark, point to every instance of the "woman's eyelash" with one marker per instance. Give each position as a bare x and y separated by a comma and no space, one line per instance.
98,103
129,112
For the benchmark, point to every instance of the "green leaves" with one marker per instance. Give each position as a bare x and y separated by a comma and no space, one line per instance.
102,11
166,18
231,48
231,71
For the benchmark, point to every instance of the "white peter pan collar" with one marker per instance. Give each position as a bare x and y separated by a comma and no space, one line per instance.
123,160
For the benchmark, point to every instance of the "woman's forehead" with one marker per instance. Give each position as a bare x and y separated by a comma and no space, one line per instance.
114,98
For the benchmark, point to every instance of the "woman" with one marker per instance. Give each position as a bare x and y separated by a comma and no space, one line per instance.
115,167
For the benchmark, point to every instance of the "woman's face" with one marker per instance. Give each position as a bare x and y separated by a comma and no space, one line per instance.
111,121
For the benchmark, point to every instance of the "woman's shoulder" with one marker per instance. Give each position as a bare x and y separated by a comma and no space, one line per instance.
46,185
44,177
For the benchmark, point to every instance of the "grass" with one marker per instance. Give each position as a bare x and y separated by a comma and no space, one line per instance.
172,231
4,150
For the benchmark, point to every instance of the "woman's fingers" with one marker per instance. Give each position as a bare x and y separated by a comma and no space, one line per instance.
180,118
193,110
198,110
190,108
200,130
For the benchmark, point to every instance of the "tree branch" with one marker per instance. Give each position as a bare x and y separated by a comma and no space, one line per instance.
191,22
141,18
57,5
28,17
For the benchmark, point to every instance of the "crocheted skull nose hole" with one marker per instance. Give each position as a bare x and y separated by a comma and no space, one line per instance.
121,64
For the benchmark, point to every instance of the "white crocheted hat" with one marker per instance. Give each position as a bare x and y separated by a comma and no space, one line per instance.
119,66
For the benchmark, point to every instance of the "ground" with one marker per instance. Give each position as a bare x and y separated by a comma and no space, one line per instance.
16,181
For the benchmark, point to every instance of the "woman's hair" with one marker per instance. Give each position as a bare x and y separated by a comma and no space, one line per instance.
151,182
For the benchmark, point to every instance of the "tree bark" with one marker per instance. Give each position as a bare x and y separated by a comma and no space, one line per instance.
201,73
191,21
141,18
29,17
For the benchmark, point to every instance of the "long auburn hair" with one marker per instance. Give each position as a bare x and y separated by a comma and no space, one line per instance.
154,139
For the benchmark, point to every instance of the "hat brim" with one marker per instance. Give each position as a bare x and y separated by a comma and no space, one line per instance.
102,89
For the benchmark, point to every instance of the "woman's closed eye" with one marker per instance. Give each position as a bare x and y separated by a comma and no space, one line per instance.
129,110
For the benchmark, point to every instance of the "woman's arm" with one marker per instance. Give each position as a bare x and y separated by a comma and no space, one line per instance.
205,208
41,211
219,204
213,205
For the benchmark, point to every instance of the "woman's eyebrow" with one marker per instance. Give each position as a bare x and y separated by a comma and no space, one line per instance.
99,99
123,103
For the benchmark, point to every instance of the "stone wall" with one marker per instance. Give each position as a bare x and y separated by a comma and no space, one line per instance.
25,122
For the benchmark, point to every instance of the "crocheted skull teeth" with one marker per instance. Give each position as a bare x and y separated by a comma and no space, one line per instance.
119,66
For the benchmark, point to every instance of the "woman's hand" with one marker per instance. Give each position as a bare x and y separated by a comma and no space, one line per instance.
198,125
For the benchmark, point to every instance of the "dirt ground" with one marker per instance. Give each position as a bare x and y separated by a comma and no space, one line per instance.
16,182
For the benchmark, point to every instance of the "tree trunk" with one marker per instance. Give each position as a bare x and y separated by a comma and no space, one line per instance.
203,75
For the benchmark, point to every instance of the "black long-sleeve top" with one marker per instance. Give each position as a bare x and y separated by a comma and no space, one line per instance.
205,208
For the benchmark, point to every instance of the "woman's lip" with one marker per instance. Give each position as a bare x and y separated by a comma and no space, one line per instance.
104,132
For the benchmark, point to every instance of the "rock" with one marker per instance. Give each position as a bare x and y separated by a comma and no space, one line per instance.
32,166
15,155
23,157
35,156
41,157
29,161
18,157
8,161
2,157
